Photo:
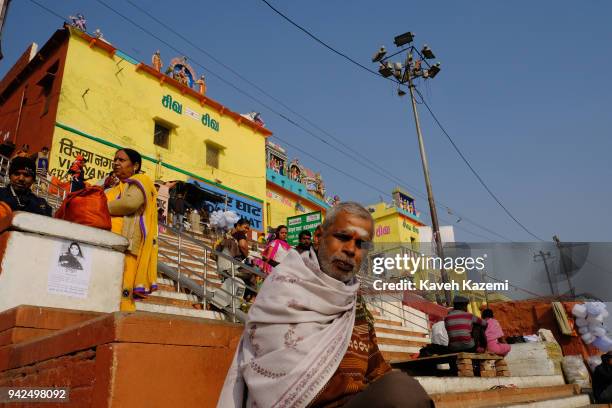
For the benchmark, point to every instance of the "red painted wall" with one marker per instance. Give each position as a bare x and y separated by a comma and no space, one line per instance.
29,95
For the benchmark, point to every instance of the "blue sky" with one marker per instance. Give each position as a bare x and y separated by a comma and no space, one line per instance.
524,92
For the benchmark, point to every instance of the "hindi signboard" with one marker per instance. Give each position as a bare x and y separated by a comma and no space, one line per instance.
299,223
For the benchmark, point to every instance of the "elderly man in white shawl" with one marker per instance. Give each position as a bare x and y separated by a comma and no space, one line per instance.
309,341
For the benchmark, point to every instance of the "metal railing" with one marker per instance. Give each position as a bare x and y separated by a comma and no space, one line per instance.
182,274
398,310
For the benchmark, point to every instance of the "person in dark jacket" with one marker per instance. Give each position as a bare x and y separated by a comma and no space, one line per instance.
602,379
18,194
178,207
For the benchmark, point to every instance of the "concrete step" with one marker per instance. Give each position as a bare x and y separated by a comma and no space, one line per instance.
397,356
172,300
401,336
567,402
400,349
173,294
401,331
408,328
387,321
173,310
504,396
401,342
439,385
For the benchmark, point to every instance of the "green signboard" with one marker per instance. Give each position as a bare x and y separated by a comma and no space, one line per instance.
300,223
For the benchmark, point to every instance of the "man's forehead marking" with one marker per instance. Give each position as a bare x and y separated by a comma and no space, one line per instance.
362,232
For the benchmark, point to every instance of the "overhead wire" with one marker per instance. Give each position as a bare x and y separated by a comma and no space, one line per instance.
384,173
256,100
479,178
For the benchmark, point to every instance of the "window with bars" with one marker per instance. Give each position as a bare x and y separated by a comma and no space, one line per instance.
212,155
161,135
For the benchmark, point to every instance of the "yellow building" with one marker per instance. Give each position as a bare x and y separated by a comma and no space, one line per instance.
396,223
109,100
291,188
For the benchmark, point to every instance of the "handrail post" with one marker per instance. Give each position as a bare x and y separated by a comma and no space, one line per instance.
205,283
178,261
233,269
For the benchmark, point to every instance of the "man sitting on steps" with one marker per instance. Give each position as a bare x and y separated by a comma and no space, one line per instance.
465,331
309,339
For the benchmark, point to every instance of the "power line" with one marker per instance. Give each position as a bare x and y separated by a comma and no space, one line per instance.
311,35
365,159
263,104
323,43
263,91
465,160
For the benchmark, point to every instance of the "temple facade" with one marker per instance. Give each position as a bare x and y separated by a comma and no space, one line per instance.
80,95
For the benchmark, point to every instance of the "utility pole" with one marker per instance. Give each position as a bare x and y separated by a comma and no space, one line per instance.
432,204
545,255
411,70
564,267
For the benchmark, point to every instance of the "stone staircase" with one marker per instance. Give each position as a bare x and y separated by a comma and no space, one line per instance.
170,298
399,338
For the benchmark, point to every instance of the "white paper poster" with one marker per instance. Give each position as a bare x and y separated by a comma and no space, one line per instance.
70,271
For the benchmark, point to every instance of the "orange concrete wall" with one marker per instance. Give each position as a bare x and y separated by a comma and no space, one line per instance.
125,359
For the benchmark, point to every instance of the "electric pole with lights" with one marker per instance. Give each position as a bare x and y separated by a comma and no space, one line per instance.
415,68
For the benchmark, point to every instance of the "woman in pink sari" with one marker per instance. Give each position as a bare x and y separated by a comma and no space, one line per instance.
495,335
276,250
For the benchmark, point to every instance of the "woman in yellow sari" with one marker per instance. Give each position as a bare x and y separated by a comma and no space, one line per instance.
132,203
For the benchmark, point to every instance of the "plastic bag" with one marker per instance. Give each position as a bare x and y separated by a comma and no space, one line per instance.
587,338
603,343
579,311
86,207
581,322
595,308
575,371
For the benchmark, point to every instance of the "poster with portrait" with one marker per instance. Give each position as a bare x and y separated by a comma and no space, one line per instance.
70,271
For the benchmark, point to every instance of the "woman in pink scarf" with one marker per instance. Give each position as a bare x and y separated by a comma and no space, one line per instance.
276,250
495,335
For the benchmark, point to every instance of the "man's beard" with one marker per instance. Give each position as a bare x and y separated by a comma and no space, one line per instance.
326,263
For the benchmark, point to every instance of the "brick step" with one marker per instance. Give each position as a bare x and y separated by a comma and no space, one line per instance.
167,256
575,401
401,342
165,287
173,310
410,328
387,322
400,331
441,385
503,396
170,301
19,334
397,356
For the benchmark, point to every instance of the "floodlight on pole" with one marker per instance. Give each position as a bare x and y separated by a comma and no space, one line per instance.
406,74
386,70
397,70
380,54
403,39
427,52
433,70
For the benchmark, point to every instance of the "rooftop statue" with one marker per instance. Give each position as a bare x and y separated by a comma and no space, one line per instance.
156,61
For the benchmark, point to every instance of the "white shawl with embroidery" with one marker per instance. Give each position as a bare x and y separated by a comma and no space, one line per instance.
296,334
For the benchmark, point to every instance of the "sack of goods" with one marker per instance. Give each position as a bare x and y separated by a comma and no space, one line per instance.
87,207
590,318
